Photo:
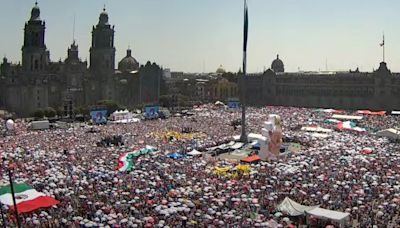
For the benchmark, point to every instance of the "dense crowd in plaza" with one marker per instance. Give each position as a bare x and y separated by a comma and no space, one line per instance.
330,172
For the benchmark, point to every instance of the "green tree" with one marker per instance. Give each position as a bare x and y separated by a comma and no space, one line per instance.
49,112
38,114
166,100
82,110
110,105
59,112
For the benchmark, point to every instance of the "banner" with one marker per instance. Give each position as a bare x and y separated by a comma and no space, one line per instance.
99,116
151,111
234,104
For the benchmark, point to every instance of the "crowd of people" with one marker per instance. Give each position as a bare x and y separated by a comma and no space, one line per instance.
330,172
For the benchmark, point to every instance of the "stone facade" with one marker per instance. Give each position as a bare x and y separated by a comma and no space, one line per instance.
38,83
351,90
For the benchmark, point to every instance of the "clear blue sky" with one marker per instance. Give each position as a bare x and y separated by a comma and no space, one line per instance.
184,35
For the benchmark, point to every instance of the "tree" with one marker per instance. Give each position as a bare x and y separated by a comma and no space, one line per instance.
82,110
49,112
110,105
166,100
38,114
59,112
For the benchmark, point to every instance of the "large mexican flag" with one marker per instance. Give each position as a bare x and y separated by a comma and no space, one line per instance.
27,198
126,161
349,126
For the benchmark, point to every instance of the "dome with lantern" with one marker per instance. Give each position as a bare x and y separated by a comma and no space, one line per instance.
220,70
128,63
277,65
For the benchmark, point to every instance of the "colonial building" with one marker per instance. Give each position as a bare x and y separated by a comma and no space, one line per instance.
204,88
378,90
38,83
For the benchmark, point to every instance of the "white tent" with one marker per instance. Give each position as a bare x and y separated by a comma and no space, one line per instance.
293,208
123,116
194,152
257,137
317,129
346,117
237,145
319,135
389,133
219,103
329,214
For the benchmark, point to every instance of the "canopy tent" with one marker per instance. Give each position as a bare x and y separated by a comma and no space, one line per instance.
175,156
395,113
329,214
316,129
389,133
319,135
237,145
251,159
132,120
257,137
256,146
123,116
194,152
329,110
346,117
368,112
219,103
293,208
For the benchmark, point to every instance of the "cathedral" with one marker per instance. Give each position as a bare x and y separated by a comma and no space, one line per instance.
37,83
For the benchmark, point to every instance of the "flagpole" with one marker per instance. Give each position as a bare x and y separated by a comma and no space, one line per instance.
2,216
243,137
383,47
13,197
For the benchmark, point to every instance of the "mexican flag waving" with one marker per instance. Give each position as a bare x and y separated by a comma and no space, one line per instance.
126,161
27,198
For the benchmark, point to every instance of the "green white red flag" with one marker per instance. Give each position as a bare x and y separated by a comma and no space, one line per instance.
27,198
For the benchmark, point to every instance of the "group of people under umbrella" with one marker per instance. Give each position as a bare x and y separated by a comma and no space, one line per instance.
67,164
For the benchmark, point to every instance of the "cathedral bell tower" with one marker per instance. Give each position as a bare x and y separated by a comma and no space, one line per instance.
35,57
102,51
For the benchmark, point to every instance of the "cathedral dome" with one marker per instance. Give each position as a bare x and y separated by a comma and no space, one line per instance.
35,13
220,70
128,63
277,65
103,18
